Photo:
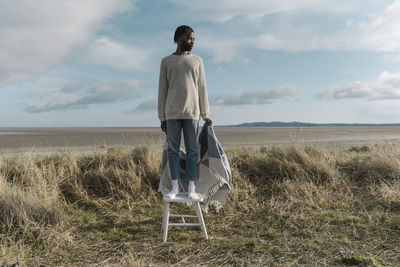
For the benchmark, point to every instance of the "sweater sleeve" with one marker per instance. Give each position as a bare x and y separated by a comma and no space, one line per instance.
162,91
203,96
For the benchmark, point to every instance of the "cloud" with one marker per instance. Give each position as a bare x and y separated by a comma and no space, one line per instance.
105,51
70,88
225,51
392,57
35,35
300,41
260,97
385,87
332,25
224,10
105,93
144,107
382,32
376,31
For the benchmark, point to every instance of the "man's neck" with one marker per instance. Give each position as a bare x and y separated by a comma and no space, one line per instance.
181,52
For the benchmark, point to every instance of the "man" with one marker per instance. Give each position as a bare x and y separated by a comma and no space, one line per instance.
182,98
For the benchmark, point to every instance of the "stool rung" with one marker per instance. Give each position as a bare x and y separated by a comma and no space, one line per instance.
182,215
184,224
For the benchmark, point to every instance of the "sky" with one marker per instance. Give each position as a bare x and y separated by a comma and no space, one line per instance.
95,63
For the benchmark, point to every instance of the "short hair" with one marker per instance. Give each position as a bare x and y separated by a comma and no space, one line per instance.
181,30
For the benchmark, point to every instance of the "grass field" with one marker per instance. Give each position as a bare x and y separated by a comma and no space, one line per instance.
298,205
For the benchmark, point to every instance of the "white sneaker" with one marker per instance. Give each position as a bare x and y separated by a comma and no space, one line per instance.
174,191
193,196
170,195
191,191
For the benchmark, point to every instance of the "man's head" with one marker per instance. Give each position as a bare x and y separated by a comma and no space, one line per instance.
184,37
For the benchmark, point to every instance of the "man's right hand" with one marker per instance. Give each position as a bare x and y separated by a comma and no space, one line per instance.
164,126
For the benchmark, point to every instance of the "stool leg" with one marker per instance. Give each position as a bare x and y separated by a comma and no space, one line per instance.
165,221
201,220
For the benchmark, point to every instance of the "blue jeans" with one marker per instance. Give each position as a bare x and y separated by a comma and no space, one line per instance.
174,129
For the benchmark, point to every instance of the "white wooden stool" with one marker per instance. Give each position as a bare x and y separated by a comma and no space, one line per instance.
183,197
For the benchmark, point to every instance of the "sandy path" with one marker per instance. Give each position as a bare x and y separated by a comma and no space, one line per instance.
45,140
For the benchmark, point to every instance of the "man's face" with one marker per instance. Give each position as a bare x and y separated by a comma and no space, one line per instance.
187,41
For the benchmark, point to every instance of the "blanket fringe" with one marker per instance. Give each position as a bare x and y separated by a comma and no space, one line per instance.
213,189
215,203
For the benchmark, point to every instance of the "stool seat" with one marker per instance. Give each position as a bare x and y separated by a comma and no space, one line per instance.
183,198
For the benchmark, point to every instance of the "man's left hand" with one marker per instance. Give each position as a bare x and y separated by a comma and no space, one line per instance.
208,121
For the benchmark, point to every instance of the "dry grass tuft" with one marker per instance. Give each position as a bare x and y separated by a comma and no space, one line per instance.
274,171
111,175
117,174
20,210
148,161
373,169
381,165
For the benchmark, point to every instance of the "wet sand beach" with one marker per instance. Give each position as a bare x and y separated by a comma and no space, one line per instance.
45,140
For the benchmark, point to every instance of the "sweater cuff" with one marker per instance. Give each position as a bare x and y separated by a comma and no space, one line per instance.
204,115
162,119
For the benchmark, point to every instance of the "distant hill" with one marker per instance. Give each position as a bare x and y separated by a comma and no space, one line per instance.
307,124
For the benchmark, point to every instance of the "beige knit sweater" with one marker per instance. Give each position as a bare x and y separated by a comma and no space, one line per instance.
182,90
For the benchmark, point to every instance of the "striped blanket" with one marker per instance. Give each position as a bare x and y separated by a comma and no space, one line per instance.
214,177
